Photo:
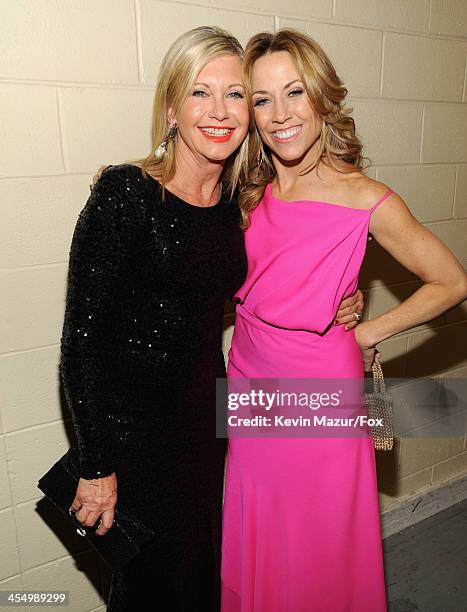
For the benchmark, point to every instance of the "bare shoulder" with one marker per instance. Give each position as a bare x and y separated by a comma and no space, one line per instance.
392,216
366,192
360,191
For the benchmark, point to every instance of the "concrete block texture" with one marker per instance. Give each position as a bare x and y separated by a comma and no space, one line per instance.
69,41
449,17
31,388
422,452
399,14
444,133
435,351
79,575
297,8
460,205
5,495
391,131
394,357
30,453
410,484
29,131
38,218
452,233
445,470
348,47
10,556
156,37
45,535
420,68
33,306
76,91
15,582
105,137
428,189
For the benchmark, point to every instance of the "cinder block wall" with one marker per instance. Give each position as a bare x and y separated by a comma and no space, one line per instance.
76,87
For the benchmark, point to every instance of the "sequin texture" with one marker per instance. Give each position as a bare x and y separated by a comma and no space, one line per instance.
141,349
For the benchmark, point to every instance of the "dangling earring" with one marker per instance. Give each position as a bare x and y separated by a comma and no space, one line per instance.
259,161
162,148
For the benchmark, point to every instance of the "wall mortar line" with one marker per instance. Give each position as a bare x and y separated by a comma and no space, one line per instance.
455,192
61,132
381,76
139,46
422,133
13,509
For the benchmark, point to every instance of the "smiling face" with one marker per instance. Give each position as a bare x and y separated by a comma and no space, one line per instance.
284,117
213,120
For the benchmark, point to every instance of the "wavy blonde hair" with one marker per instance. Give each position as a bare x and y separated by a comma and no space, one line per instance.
180,67
326,93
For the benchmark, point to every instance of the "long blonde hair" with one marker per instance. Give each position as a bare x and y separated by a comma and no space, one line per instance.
326,93
180,67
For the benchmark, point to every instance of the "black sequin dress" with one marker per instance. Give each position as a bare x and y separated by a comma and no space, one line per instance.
141,349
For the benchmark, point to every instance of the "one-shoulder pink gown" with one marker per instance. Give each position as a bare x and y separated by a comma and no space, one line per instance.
301,527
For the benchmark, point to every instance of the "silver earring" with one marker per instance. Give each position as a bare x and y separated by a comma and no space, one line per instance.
162,148
259,161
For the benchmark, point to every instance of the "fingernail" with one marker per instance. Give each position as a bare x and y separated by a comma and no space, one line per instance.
336,322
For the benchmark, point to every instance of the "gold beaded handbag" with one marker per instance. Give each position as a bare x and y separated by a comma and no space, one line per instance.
379,405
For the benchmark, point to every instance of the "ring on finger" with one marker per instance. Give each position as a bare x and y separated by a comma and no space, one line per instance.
357,317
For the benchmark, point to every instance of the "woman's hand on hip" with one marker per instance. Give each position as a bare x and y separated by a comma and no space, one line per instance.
94,499
350,310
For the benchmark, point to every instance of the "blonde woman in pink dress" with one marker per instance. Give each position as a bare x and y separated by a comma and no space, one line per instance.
301,529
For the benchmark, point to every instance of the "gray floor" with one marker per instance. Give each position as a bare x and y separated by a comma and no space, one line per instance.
426,565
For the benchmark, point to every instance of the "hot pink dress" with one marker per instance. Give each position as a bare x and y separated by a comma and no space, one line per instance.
301,527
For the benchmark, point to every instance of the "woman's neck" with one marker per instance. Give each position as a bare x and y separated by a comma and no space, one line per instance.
196,178
292,175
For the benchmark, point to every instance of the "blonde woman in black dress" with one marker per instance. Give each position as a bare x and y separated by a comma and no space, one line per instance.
156,252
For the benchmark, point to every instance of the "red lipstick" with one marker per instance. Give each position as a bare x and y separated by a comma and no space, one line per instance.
217,138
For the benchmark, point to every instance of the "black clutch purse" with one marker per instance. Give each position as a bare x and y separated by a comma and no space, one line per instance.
124,539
